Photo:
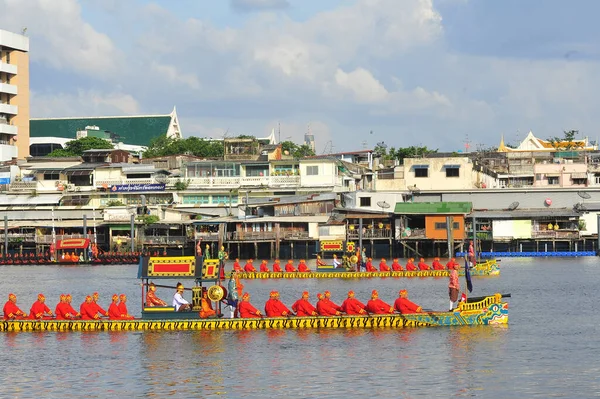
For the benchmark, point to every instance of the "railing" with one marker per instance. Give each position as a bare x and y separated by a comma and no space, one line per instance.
164,240
47,239
251,235
22,186
237,181
113,182
294,235
19,237
556,234
375,233
413,233
207,236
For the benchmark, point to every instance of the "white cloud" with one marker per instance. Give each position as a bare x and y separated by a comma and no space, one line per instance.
363,86
83,103
60,37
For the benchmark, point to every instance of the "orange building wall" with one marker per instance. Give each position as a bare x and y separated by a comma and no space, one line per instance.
440,234
21,100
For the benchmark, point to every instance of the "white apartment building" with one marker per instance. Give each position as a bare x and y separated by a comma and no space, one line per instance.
14,96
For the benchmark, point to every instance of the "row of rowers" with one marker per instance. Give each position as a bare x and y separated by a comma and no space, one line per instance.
383,266
326,307
89,309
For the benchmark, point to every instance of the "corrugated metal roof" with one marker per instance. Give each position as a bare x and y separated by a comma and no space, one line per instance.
287,219
525,213
20,200
424,208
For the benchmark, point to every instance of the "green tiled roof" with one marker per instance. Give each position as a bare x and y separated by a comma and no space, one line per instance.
136,130
427,208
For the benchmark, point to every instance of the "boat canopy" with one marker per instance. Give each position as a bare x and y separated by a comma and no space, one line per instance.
73,243
171,267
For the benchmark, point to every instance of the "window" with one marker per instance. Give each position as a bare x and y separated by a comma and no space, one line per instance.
442,226
195,199
421,170
312,170
452,171
597,178
223,199
552,180
539,176
365,201
52,175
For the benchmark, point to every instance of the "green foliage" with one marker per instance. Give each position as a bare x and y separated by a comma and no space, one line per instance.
408,152
163,146
148,219
114,203
75,148
297,151
567,142
181,185
245,136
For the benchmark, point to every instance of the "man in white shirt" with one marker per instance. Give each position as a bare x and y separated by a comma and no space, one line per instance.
181,305
336,262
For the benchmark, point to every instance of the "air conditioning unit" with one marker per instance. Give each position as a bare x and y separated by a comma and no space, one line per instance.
70,187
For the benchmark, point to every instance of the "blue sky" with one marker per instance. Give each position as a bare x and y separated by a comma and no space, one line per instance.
414,72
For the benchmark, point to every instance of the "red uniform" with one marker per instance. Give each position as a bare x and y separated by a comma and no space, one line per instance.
113,312
353,306
450,264
410,266
302,267
289,267
236,266
124,313
423,266
249,268
264,267
276,267
437,265
324,308
98,309
39,310
396,266
304,308
370,267
275,308
88,312
377,306
247,311
404,306
152,300
12,311
384,267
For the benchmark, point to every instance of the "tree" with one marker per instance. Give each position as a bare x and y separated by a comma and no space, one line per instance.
408,152
75,148
163,146
567,142
303,151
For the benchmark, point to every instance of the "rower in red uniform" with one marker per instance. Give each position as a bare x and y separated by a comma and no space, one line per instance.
60,311
323,307
277,266
151,298
437,265
422,265
96,306
369,265
275,308
377,306
39,309
383,266
249,267
236,265
247,311
332,304
302,268
410,265
451,263
353,306
88,310
289,266
123,308
264,268
303,307
404,305
113,309
11,310
396,266
71,313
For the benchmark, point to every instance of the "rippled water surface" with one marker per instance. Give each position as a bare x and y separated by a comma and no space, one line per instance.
549,349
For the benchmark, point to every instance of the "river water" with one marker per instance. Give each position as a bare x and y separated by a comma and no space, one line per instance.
549,349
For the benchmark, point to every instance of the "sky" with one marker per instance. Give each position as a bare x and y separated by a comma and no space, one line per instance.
435,73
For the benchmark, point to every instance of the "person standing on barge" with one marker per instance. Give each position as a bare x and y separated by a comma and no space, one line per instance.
453,286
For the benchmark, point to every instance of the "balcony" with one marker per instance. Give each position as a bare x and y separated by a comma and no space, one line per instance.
556,235
207,236
375,233
162,240
23,186
8,68
8,88
7,129
47,239
9,109
116,182
238,181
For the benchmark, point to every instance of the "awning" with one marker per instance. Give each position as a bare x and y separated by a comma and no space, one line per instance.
121,227
78,172
579,176
73,243
420,166
47,170
552,174
452,166
27,200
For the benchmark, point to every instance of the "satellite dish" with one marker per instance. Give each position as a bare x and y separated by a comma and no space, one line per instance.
414,189
579,208
584,195
513,206
383,205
